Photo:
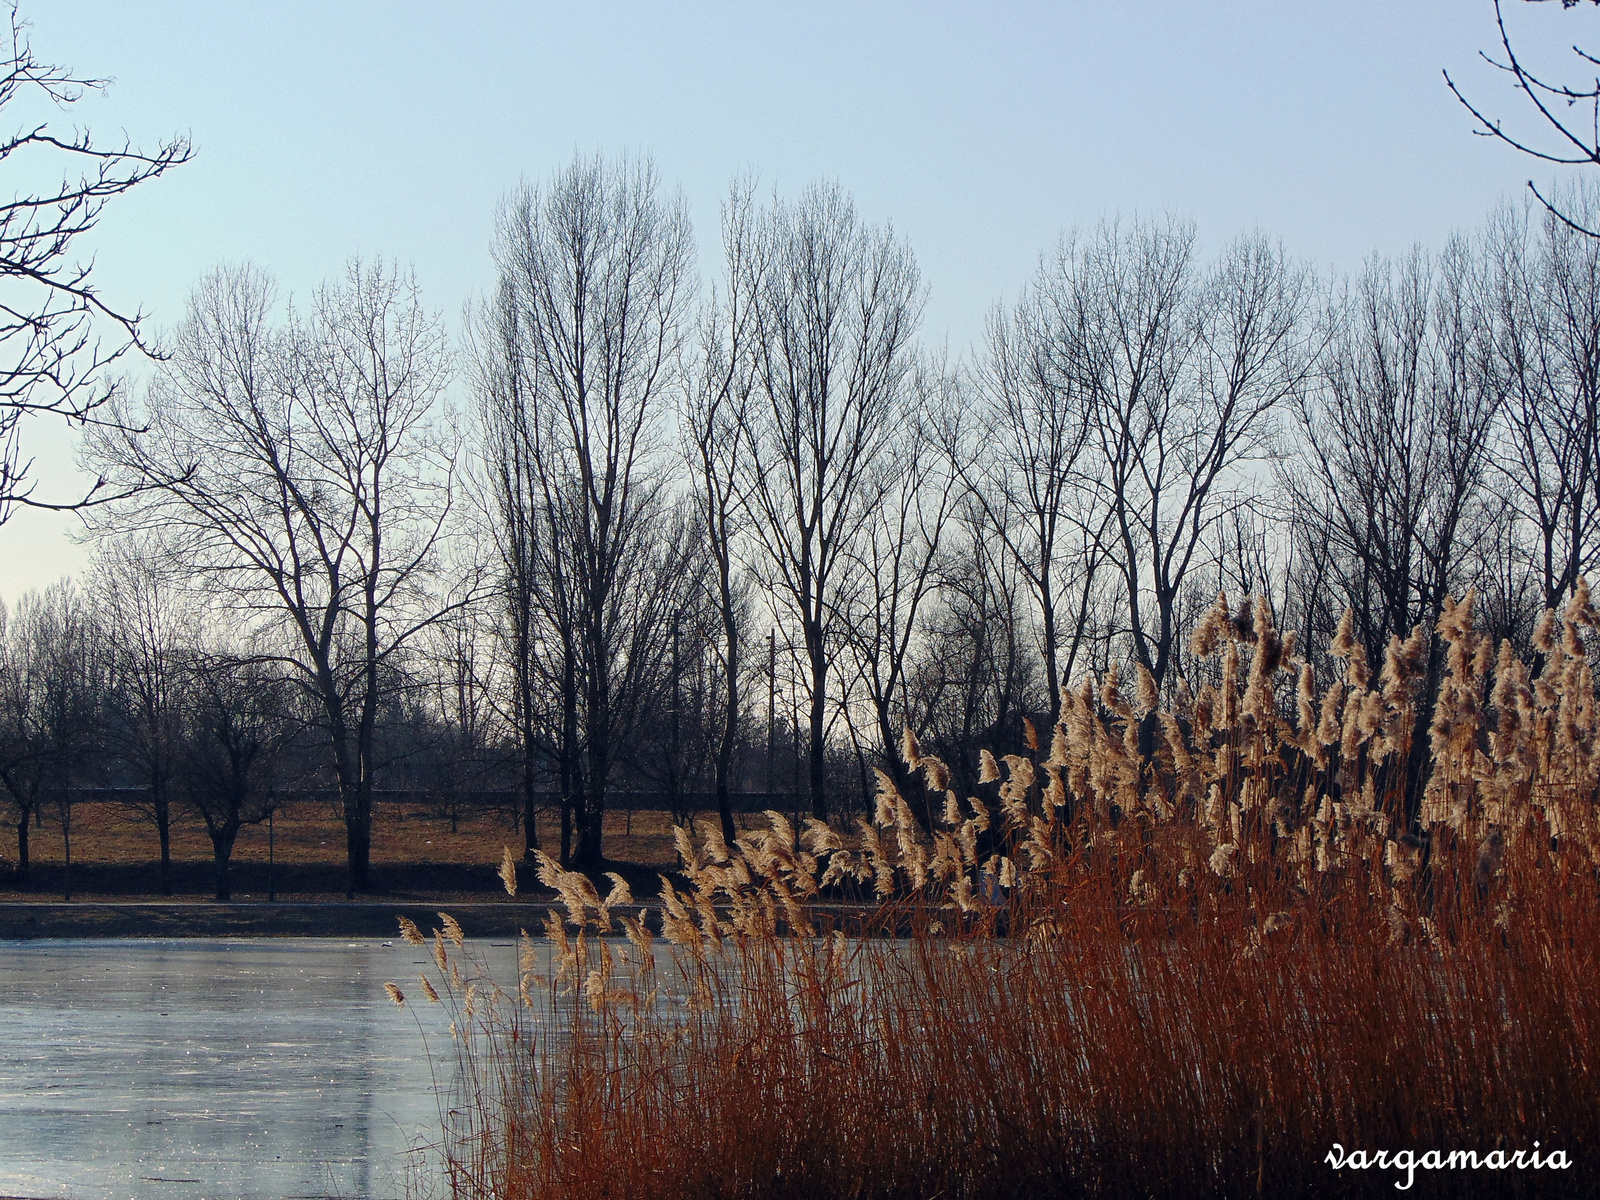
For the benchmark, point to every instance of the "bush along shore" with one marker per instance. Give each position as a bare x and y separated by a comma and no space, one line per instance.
1229,964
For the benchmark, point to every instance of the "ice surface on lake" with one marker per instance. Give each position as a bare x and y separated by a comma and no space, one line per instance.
212,1069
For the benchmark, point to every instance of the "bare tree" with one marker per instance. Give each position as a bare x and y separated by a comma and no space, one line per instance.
714,425
237,722
897,560
1389,489
596,278
26,762
1545,312
51,687
1395,444
1185,370
525,512
1565,141
666,705
57,336
836,305
1020,458
457,670
24,766
975,674
297,472
150,635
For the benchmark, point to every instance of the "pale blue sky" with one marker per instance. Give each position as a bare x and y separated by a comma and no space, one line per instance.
983,133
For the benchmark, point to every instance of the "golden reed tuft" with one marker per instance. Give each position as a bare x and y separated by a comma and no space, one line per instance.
1035,1023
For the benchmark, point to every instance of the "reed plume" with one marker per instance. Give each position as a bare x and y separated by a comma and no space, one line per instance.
1373,970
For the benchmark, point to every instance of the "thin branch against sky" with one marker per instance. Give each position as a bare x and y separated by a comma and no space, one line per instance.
981,136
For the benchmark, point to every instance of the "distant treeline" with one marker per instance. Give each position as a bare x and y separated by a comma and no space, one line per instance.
710,538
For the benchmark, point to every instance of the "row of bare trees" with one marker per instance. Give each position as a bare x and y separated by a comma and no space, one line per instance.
583,581
293,474
117,685
645,464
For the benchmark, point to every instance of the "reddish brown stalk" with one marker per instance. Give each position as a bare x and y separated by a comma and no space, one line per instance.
1195,990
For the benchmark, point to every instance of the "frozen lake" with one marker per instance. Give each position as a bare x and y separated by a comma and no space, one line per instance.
213,1069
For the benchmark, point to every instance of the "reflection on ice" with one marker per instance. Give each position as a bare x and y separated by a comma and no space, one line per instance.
209,1068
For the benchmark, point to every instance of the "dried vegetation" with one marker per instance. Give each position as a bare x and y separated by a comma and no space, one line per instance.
1182,966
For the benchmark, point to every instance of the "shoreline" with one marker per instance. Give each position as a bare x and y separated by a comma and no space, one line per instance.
29,920
36,919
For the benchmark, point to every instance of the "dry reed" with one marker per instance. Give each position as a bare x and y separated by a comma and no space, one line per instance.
1190,971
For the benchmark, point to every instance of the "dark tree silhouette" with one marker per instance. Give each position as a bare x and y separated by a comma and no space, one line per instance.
57,335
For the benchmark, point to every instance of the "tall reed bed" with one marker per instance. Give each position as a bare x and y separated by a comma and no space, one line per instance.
1179,951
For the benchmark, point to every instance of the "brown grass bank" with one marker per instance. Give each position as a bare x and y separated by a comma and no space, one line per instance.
415,853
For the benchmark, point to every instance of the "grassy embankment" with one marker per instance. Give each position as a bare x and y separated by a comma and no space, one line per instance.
417,859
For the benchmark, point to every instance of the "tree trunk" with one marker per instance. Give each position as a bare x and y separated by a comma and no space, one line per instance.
819,679
1419,762
163,811
66,841
22,842
597,720
222,852
1052,666
354,777
569,749
530,831
358,840
730,732
590,854
164,828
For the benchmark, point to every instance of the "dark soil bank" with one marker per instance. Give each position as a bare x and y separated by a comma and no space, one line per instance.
172,919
